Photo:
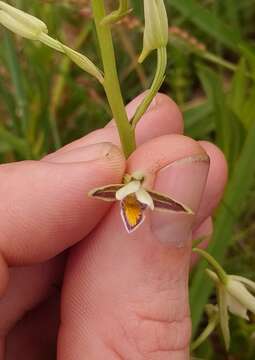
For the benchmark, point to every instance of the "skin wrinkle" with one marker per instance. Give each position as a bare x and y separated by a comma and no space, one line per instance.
169,282
138,350
164,319
183,346
162,307
156,329
115,347
117,354
126,341
158,338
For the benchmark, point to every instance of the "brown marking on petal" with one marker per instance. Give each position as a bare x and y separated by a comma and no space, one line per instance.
164,202
132,212
106,193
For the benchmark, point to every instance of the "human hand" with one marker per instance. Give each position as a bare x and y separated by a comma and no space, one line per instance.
124,296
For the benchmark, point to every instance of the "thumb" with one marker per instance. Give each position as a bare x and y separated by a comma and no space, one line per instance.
44,204
126,295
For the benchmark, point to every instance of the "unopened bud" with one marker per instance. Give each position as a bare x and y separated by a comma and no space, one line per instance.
20,22
156,27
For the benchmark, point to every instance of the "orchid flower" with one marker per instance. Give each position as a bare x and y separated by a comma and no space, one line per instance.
135,199
235,294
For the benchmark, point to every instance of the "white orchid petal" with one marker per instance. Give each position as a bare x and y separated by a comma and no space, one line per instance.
249,283
16,27
236,308
241,294
144,197
24,17
128,189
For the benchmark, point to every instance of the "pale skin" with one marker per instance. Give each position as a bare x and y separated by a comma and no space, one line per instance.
123,296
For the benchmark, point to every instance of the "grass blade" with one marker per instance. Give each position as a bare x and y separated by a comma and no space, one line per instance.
208,22
17,79
13,142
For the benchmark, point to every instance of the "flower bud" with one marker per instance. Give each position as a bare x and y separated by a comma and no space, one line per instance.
20,22
84,63
32,28
156,27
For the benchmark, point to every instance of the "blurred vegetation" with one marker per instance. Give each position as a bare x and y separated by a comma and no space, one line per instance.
46,102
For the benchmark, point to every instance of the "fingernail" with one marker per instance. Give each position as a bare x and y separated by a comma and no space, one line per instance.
85,153
184,181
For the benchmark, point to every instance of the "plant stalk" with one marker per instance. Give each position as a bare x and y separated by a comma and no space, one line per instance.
111,81
206,332
214,264
156,84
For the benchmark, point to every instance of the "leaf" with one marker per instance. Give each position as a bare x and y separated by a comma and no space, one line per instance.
198,120
138,7
247,110
238,91
213,88
229,130
17,79
13,142
248,52
8,101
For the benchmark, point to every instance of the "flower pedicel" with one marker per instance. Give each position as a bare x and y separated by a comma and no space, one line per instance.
135,200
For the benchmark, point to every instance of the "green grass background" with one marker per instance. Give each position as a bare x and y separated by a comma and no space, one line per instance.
46,102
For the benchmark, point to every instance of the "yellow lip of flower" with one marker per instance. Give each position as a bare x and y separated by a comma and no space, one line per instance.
135,199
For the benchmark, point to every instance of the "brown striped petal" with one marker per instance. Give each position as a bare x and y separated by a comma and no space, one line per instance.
106,193
166,203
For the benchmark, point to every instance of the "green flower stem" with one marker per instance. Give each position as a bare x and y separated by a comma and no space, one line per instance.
156,84
213,322
215,265
111,81
52,43
123,5
118,14
80,60
223,315
198,241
